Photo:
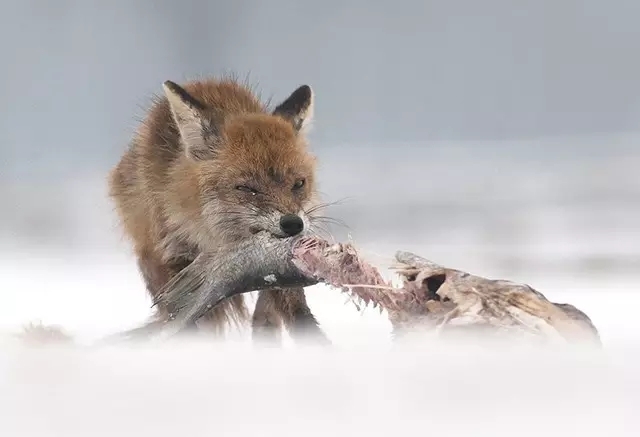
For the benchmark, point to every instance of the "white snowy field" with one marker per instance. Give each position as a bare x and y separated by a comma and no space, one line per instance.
233,391
561,215
359,387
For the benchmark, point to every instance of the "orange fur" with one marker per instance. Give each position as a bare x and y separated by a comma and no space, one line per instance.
209,165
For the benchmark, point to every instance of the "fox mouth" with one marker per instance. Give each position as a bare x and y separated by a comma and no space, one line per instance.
257,229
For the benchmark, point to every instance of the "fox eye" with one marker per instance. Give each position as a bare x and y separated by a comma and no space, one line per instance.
298,184
247,189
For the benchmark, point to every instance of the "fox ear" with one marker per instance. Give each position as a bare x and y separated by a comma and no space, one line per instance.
197,132
297,108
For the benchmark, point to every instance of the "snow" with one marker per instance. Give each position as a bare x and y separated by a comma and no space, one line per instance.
358,388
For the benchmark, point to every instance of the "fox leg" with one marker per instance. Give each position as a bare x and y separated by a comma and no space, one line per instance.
266,323
277,307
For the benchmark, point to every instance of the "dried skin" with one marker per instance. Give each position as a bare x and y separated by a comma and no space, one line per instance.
435,297
339,265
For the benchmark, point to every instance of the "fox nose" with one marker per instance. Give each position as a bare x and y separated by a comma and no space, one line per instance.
291,224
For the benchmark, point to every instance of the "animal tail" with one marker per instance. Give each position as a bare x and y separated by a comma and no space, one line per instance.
38,334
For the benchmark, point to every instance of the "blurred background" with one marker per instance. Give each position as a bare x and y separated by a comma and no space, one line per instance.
501,138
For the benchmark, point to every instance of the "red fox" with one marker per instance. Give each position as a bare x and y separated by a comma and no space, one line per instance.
209,166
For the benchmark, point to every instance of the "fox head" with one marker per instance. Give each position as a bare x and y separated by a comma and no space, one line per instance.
253,170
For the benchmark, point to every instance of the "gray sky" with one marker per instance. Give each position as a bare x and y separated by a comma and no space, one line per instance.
75,74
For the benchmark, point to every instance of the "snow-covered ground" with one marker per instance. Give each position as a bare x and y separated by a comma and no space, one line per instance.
359,388
232,391
560,215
